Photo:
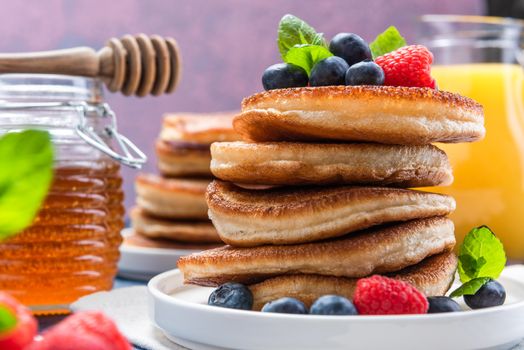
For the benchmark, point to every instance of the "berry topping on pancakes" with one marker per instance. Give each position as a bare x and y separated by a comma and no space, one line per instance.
347,60
408,66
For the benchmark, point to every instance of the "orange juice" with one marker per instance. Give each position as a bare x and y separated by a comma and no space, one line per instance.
489,175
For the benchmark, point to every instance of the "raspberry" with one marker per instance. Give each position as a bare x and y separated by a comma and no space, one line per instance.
23,332
379,295
90,330
408,66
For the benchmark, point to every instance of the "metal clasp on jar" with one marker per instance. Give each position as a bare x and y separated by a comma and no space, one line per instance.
130,154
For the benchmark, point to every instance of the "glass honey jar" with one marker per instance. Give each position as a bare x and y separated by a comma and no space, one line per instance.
71,249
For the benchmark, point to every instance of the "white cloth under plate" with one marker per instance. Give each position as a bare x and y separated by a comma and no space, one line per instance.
128,308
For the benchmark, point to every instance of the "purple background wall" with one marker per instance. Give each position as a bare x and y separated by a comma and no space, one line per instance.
226,44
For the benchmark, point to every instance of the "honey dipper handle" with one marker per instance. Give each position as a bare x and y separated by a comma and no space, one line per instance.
76,61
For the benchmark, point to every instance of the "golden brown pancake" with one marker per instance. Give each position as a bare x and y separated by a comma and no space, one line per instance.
179,159
297,215
202,128
181,231
171,198
383,114
433,277
137,240
377,250
183,146
287,163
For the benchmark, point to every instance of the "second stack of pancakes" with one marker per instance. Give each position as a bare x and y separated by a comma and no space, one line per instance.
339,161
171,210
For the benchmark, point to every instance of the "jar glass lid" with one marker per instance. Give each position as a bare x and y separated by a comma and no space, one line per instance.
47,87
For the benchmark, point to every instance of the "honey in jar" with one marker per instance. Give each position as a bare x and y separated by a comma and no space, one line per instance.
71,249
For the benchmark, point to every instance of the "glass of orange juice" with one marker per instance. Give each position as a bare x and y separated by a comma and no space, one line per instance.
480,57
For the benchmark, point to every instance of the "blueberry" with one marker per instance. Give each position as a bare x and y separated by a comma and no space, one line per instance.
490,294
284,75
285,306
365,73
350,47
232,296
329,71
442,304
333,305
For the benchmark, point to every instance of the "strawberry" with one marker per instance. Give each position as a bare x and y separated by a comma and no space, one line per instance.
89,330
379,295
408,66
18,326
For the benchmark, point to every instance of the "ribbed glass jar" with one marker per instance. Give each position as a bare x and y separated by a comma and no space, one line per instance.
72,247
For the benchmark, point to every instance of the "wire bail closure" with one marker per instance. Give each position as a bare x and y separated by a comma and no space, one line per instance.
131,155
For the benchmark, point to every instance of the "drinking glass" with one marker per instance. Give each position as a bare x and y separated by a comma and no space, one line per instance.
481,57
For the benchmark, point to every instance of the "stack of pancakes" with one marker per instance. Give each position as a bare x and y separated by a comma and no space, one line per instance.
171,210
339,160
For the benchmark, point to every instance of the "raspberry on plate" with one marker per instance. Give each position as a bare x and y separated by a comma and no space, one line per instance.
89,330
379,295
18,326
408,66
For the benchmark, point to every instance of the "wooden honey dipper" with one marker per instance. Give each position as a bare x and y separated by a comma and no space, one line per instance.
137,64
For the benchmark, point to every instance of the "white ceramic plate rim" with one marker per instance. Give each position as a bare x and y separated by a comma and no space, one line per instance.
155,290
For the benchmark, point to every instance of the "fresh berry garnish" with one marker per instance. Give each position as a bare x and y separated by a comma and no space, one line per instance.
442,304
18,327
285,306
490,294
379,295
332,305
284,75
365,73
351,47
408,66
329,71
232,295
90,330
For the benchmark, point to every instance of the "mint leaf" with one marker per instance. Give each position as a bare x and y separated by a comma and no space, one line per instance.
389,40
294,31
481,255
306,56
7,319
26,170
470,287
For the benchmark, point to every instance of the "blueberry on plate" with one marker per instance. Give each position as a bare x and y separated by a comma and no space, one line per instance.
365,73
350,47
284,75
233,296
442,304
285,306
329,71
332,305
490,294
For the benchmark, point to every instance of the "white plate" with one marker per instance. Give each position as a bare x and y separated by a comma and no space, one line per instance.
182,314
142,263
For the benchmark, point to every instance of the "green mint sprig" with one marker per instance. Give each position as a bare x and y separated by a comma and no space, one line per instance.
26,171
306,56
470,287
387,41
481,259
8,320
294,31
300,44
